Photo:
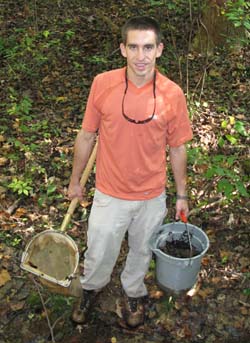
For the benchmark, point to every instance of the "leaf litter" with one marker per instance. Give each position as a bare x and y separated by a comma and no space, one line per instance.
60,45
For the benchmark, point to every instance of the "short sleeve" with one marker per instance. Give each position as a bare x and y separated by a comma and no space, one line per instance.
179,129
91,119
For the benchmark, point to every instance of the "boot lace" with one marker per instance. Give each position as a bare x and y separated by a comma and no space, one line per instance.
133,302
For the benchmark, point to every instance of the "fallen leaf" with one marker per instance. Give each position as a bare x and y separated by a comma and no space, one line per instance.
181,333
156,294
85,203
216,280
205,261
224,253
119,308
4,214
61,99
205,292
244,262
76,90
177,305
20,212
244,311
4,277
187,331
17,306
3,161
243,88
46,79
215,73
2,138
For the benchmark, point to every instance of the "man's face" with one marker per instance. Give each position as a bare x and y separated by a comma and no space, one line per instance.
141,51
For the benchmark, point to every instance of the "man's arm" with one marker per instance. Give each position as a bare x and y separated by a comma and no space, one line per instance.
178,160
82,149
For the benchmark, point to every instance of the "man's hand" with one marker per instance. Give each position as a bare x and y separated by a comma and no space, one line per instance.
82,149
181,206
75,191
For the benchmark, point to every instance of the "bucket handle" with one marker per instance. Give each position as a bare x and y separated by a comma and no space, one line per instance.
83,181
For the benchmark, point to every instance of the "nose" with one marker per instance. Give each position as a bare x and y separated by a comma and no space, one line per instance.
140,54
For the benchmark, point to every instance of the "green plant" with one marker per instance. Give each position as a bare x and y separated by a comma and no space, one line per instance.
233,130
46,33
69,34
34,300
238,13
49,193
97,59
11,240
228,176
21,108
224,172
246,291
59,303
31,147
152,265
168,304
20,186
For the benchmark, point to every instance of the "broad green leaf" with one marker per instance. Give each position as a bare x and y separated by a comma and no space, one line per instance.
246,25
230,160
46,33
224,124
231,139
51,189
225,186
239,127
242,189
210,173
221,142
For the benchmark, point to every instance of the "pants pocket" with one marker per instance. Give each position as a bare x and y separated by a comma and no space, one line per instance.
101,199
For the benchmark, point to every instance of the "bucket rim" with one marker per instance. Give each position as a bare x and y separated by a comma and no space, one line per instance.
160,233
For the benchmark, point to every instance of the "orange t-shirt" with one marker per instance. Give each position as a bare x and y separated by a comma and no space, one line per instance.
131,158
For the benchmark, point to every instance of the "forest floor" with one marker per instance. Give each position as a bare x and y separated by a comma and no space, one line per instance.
49,55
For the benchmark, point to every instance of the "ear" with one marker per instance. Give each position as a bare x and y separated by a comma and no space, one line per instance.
123,50
159,50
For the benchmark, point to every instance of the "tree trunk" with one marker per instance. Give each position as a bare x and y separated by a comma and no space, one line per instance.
214,28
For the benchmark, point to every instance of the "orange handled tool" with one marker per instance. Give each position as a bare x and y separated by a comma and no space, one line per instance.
183,217
184,220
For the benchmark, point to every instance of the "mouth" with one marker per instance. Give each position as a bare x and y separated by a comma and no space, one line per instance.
141,66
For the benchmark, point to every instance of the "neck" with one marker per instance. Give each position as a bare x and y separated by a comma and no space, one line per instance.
139,80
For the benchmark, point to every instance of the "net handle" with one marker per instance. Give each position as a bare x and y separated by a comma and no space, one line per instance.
83,181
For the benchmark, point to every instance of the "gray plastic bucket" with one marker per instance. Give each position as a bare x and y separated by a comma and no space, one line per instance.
173,273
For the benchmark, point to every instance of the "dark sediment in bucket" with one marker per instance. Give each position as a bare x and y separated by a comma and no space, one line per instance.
180,247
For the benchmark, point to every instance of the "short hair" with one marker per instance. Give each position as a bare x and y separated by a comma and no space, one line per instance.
142,23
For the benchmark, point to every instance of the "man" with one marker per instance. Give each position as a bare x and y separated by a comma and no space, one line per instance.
137,112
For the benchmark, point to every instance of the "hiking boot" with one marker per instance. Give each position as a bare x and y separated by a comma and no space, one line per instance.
83,306
133,311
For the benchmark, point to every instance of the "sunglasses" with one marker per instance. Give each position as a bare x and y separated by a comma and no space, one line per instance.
131,120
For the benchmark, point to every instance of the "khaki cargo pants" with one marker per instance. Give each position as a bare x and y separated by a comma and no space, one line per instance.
109,220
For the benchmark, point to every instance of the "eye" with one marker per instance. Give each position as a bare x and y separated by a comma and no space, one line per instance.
148,47
132,47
